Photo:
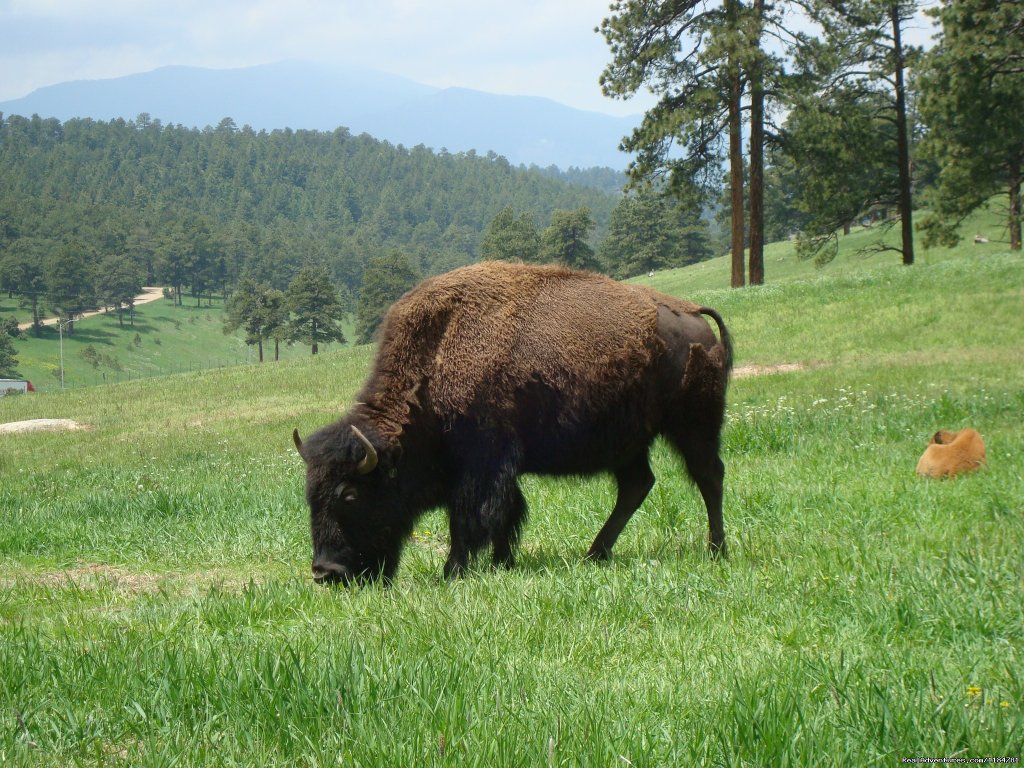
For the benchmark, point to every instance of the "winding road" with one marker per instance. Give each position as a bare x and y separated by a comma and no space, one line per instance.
147,295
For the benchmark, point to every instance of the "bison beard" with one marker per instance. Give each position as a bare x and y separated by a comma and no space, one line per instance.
496,370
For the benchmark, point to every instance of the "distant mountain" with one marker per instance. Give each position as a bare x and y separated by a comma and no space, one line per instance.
297,95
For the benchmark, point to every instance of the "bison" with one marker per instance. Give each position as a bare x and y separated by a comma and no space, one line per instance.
495,370
950,453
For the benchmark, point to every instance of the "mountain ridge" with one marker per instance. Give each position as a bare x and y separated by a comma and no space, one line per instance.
526,130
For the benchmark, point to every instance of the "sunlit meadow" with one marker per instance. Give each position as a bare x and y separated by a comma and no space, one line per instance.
156,608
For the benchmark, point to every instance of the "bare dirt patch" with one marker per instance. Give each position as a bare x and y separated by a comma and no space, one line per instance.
88,577
746,371
42,425
91,577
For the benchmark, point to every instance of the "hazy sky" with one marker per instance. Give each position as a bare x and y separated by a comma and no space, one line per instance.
526,47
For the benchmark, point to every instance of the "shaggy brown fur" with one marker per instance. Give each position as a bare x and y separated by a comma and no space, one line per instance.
950,453
476,334
498,369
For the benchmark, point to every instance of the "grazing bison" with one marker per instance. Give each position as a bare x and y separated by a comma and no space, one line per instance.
498,369
950,453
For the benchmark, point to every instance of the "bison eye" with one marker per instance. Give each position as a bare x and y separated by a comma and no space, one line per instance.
346,493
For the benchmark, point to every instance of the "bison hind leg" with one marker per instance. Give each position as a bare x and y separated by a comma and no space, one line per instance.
695,430
699,449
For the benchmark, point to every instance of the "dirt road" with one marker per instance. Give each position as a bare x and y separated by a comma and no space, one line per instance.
147,295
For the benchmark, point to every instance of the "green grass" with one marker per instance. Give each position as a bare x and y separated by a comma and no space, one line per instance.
164,339
155,605
859,251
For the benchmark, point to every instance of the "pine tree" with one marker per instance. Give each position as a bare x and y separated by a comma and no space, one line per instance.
258,309
700,58
650,231
511,238
972,91
117,282
385,280
8,357
565,240
315,307
850,129
23,274
68,285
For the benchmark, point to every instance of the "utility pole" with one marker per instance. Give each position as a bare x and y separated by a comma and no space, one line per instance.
60,332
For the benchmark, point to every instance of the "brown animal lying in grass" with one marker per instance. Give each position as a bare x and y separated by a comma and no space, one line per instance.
950,453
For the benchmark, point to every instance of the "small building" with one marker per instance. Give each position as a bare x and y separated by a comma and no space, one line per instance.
15,386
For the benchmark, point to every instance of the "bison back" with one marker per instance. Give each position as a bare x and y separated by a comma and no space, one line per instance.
477,336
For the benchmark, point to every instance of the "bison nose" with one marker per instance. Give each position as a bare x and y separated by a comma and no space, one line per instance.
328,572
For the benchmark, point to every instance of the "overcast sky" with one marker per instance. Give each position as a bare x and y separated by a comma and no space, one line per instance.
527,47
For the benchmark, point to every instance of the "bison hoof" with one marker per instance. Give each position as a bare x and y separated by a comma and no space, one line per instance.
599,554
505,562
718,550
454,571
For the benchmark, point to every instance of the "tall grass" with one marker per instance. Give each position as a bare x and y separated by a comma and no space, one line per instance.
155,605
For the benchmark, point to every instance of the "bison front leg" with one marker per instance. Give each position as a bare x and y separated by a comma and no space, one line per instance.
510,513
488,507
466,533
635,481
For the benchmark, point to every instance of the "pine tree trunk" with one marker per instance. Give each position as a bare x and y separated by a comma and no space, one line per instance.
259,345
757,161
902,142
736,174
1015,206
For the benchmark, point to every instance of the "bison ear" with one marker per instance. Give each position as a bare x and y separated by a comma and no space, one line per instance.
298,442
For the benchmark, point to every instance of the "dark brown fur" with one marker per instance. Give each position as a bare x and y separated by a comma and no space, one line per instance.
498,369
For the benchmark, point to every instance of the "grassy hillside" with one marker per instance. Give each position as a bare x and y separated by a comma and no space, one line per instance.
164,339
167,339
156,608
858,251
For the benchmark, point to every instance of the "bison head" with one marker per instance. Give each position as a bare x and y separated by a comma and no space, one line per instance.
356,533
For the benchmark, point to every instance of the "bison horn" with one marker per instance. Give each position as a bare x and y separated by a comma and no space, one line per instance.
369,462
297,440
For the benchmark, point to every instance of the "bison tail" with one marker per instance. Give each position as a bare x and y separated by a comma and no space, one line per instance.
723,333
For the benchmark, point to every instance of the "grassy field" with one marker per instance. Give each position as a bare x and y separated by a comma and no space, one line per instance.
164,339
861,250
156,609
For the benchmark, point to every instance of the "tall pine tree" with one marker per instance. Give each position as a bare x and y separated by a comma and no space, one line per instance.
972,92
316,308
511,238
854,107
8,356
701,59
565,241
385,279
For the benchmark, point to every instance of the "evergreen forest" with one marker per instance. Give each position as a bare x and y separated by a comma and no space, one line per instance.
751,141
198,209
